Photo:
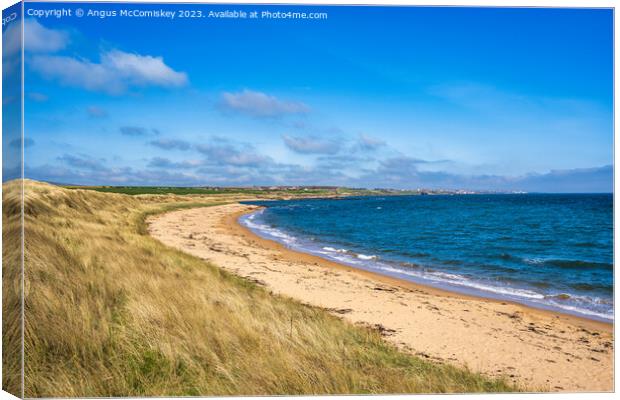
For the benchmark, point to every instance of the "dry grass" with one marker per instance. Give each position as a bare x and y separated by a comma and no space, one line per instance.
11,288
112,312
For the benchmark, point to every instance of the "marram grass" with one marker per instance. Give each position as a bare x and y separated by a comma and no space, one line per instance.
110,311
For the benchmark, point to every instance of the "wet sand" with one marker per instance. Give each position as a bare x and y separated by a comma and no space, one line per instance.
539,350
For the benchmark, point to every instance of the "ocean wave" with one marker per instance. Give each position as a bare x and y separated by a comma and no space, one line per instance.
345,251
567,302
335,250
561,296
571,303
534,261
579,298
269,231
460,280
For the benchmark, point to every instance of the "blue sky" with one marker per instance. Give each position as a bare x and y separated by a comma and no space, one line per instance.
473,98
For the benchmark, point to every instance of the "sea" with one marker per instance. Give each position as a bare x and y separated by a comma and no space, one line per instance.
550,251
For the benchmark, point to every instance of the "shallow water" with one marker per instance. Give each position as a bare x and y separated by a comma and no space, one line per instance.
551,251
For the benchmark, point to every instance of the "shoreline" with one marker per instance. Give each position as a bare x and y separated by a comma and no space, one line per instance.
234,220
539,350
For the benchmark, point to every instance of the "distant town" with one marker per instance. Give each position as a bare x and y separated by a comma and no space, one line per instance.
336,189
284,189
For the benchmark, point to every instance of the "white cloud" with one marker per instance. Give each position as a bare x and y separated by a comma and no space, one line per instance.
161,162
258,104
311,144
171,144
369,143
11,50
138,131
39,39
223,152
11,39
114,74
143,70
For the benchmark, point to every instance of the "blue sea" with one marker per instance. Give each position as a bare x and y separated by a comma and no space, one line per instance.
552,251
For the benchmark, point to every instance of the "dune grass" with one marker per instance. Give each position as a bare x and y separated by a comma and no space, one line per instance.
11,288
110,311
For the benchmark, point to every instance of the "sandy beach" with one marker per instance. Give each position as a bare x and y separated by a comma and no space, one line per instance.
539,350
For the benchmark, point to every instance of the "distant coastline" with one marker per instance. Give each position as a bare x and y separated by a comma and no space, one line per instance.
317,190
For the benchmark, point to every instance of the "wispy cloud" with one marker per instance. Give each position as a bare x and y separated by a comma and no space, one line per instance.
111,176
171,144
345,161
227,163
311,144
116,71
598,179
162,162
82,162
223,152
260,105
138,131
366,142
405,172
11,41
39,39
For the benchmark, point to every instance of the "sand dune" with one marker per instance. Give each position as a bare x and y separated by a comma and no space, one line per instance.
538,349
